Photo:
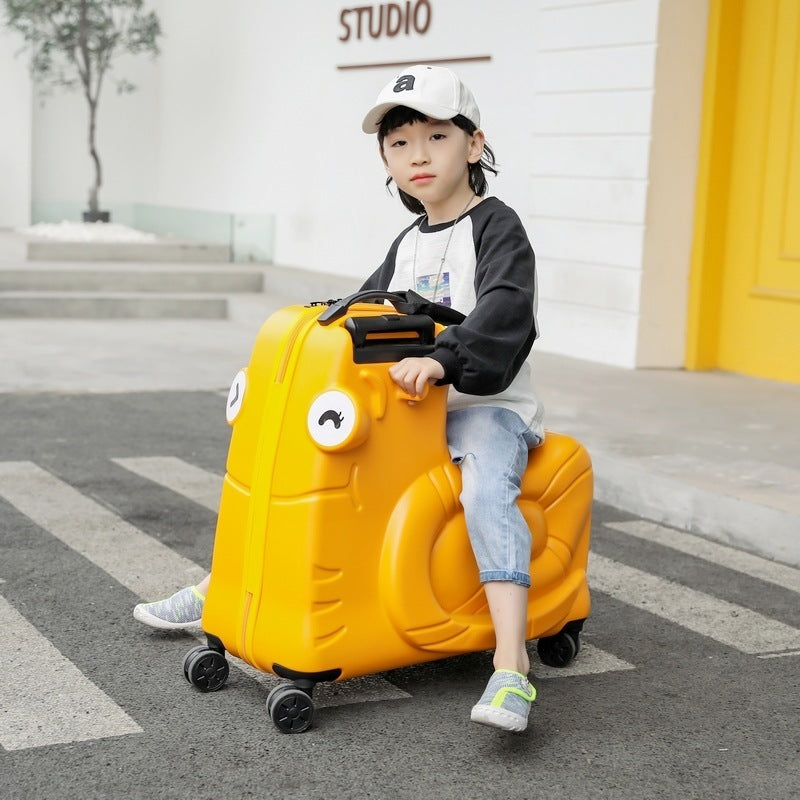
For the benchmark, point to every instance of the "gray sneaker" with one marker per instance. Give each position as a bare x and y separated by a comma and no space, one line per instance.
506,702
183,610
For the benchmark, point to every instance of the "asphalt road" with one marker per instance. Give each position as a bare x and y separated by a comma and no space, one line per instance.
687,684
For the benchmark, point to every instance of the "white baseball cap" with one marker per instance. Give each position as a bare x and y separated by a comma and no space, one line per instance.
435,92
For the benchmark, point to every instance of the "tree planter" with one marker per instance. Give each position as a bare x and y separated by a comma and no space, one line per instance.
97,216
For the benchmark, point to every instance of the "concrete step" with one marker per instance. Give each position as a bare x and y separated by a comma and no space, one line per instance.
20,247
140,278
92,305
160,251
108,290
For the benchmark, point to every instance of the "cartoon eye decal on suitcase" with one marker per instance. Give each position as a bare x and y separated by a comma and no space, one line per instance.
235,399
335,421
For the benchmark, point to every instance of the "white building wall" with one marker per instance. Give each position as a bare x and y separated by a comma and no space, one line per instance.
591,144
276,124
220,133
15,133
615,137
249,109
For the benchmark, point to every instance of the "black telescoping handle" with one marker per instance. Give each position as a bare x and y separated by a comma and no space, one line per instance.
390,337
406,302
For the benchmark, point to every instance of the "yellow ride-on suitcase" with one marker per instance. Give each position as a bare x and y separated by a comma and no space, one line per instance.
340,547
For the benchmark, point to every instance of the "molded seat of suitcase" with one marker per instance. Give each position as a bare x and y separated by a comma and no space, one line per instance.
435,612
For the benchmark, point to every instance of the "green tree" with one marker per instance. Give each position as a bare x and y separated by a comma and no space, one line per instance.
73,44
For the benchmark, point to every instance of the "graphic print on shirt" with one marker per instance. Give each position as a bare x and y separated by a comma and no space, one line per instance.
435,288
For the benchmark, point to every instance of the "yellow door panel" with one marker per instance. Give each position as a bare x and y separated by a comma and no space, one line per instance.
779,256
754,290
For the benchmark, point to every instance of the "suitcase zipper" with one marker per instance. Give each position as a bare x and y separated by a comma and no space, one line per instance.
314,312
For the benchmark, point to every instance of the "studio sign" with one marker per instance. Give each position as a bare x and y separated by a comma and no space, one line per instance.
386,19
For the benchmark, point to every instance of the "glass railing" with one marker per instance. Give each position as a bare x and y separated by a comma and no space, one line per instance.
249,237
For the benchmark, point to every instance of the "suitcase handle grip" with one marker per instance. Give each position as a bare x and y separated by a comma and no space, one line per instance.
412,398
390,337
407,302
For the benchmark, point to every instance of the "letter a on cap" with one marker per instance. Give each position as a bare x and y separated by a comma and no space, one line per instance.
405,83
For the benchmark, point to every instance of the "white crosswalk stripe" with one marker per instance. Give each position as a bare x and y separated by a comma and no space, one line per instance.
198,485
591,661
44,698
139,562
730,624
39,672
738,560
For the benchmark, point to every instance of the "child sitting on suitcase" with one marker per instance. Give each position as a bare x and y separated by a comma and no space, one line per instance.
470,253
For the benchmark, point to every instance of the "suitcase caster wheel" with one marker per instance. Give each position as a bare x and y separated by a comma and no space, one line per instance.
188,657
558,650
290,709
206,669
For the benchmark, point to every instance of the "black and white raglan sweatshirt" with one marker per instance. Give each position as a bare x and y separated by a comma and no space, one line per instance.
489,275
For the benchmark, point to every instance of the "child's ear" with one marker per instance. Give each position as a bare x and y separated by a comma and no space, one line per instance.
477,141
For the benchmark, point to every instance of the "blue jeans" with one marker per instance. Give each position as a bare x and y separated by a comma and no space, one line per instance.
490,444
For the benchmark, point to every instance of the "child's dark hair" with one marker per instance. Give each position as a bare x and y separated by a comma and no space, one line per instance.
402,115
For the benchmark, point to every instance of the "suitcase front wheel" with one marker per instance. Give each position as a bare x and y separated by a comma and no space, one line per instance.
290,708
206,669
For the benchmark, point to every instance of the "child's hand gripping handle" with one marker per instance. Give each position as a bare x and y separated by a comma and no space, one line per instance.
401,394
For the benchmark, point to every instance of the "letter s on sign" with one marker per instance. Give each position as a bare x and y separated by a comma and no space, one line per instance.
345,25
